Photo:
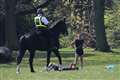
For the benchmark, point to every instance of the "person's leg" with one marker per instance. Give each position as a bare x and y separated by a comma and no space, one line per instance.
81,61
76,59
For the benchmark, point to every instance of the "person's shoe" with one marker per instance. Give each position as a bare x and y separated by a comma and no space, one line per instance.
49,67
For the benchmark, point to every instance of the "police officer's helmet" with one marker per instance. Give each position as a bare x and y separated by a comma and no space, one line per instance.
39,11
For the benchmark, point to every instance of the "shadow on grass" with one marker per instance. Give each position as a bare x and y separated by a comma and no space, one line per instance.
7,65
64,54
116,52
96,62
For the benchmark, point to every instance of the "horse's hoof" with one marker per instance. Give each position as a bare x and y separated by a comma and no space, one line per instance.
17,72
32,71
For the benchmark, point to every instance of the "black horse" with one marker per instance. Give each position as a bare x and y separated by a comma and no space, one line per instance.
34,41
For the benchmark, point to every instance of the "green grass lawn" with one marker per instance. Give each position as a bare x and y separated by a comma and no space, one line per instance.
94,67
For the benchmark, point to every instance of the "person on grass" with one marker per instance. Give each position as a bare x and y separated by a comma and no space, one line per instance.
77,43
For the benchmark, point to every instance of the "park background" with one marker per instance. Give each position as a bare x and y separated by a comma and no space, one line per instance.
98,20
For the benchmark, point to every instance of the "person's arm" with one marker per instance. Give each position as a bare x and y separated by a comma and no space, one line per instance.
44,20
73,43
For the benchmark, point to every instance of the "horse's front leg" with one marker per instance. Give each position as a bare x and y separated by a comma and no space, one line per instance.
58,55
32,54
59,58
48,57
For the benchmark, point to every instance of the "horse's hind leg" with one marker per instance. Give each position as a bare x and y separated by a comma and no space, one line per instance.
58,55
19,59
32,54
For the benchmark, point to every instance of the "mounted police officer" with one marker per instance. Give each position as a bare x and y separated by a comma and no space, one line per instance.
40,20
41,23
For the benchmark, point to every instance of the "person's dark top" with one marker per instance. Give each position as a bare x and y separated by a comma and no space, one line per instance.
79,43
79,46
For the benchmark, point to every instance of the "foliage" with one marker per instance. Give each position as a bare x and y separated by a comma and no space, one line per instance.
65,42
112,18
24,24
59,8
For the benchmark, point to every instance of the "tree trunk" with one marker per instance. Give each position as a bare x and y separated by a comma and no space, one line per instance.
10,24
2,31
101,42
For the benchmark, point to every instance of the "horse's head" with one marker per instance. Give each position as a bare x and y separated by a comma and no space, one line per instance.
60,27
63,26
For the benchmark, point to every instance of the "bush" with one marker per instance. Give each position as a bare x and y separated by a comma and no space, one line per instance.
5,55
112,23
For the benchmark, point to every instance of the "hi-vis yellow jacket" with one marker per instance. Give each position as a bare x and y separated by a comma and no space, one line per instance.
38,22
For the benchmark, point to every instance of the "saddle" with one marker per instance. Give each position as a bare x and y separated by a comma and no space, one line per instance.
44,33
48,36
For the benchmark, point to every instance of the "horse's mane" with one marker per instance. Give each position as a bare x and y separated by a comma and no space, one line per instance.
56,22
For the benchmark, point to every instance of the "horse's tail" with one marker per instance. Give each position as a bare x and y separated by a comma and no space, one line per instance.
21,38
22,41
